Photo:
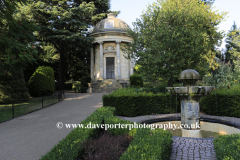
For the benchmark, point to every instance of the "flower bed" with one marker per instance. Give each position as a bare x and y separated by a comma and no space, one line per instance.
69,148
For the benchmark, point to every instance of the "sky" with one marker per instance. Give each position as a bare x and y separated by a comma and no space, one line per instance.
133,9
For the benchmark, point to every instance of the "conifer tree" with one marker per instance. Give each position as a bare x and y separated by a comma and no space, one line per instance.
16,36
230,45
65,25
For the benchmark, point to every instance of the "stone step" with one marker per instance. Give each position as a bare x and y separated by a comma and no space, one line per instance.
106,85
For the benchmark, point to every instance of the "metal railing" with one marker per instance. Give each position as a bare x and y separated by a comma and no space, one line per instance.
10,111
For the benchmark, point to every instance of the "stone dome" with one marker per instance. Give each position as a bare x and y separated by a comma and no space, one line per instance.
189,74
189,77
111,23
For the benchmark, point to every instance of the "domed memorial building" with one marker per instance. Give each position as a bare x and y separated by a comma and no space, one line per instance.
109,68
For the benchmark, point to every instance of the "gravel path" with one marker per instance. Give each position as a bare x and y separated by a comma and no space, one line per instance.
30,136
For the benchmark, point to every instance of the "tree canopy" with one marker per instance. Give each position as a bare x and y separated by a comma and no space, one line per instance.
231,44
16,35
174,35
64,26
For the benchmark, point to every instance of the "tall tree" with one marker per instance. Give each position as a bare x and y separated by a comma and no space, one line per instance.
17,50
230,45
235,53
16,36
174,35
65,25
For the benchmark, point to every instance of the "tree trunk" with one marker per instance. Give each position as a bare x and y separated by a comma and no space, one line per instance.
61,73
170,82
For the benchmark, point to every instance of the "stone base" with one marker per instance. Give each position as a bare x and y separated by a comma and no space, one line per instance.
191,133
106,85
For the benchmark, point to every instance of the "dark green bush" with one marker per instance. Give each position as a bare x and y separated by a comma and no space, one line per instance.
130,103
84,83
149,87
149,144
226,102
76,87
13,87
42,82
227,147
136,80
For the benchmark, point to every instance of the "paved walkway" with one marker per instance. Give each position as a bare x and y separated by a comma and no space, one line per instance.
192,149
30,136
184,148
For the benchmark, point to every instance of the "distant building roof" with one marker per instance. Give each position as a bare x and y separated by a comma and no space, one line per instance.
111,23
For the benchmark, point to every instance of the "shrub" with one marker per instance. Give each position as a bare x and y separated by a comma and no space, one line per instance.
177,85
76,87
42,82
161,88
136,80
216,104
148,85
224,76
84,83
13,86
149,144
130,103
227,147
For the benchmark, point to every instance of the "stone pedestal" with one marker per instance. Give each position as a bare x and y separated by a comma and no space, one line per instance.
190,114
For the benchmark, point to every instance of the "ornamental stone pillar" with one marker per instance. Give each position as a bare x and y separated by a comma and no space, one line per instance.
92,64
131,66
118,60
101,60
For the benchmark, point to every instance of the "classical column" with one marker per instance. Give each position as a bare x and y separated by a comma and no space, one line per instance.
92,64
118,60
101,60
131,66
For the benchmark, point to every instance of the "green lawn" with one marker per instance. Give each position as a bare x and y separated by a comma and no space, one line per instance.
6,111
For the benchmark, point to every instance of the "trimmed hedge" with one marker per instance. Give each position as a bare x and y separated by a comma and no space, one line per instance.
128,103
131,102
136,80
149,144
69,148
226,102
227,105
227,147
42,82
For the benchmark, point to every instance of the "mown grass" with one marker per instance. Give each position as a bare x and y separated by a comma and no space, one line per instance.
7,110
